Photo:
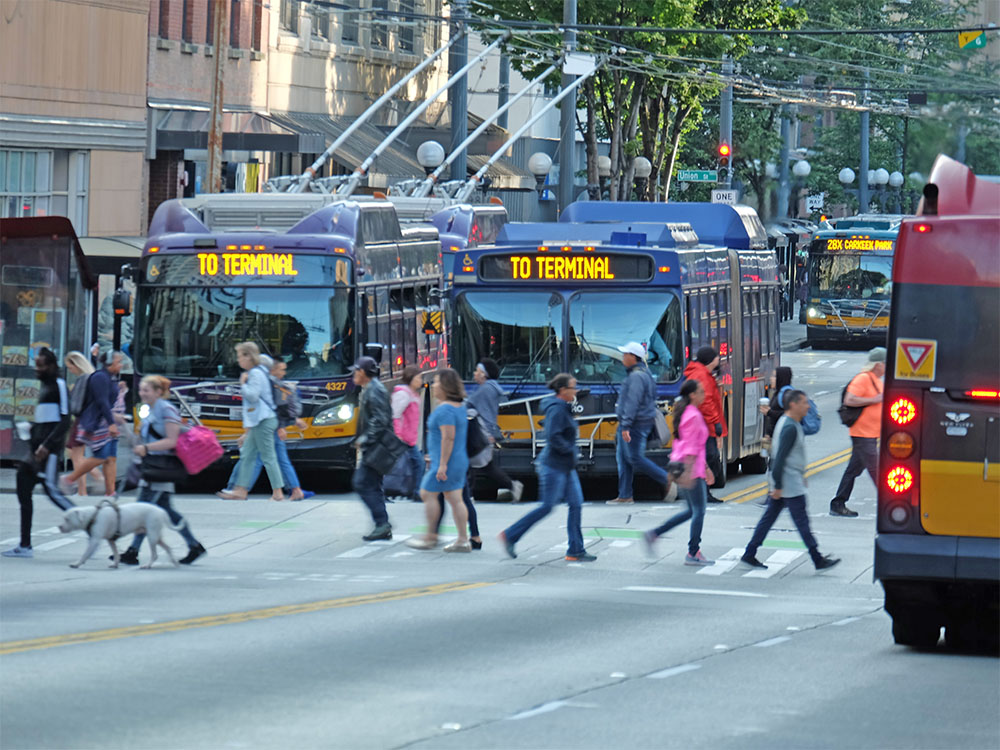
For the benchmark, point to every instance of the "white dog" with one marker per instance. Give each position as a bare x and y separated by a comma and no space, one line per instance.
110,521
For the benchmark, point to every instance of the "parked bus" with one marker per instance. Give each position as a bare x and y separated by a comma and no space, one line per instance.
850,281
563,296
346,280
937,551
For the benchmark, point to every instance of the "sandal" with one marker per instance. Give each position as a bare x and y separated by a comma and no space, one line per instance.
458,546
422,543
230,496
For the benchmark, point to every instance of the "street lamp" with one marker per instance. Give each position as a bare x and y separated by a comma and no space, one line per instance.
539,164
881,179
603,172
430,155
642,169
896,181
801,169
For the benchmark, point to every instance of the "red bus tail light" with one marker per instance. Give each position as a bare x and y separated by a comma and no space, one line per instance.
903,411
899,479
922,228
982,393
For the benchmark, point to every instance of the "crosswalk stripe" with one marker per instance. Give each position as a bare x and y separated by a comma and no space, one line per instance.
777,562
838,363
820,363
55,544
723,564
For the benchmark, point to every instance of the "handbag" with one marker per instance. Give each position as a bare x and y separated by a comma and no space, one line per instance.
475,437
383,455
661,428
164,467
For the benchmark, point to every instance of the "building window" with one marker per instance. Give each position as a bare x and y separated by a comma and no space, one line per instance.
258,23
45,183
349,22
164,25
234,23
320,21
210,22
187,20
379,25
290,15
406,25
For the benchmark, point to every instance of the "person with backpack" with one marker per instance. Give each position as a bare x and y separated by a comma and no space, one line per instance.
261,422
861,410
703,368
557,477
79,366
781,385
288,409
45,444
486,401
788,485
405,403
160,431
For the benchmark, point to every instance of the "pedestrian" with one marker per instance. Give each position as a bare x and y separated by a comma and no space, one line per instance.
687,453
78,365
374,418
46,440
636,411
260,420
557,477
787,482
158,435
98,429
486,401
288,413
447,431
703,369
864,390
405,404
781,385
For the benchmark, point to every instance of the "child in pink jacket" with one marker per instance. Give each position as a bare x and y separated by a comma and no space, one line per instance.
406,423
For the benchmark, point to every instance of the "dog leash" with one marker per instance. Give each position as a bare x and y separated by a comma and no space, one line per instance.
118,518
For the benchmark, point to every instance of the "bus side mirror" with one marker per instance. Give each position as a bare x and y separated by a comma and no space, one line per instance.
375,352
121,302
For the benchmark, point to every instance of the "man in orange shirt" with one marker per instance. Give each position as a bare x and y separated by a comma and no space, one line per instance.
865,389
702,368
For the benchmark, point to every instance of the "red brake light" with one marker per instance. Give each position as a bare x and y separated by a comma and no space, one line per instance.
899,479
922,228
980,393
902,411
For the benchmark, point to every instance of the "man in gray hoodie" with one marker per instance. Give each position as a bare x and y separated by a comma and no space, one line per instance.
788,484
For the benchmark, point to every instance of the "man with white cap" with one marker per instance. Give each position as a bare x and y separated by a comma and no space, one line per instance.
636,410
864,392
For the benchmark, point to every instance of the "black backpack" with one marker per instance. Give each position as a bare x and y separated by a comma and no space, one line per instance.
78,398
849,414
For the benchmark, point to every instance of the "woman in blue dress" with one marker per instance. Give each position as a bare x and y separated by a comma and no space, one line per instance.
446,436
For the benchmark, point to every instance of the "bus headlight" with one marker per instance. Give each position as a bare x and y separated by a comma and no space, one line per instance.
334,415
812,312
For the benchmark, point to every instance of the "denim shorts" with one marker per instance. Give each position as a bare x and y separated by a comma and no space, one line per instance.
108,450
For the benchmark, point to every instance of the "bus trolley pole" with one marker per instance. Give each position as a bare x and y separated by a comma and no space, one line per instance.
424,188
467,189
348,187
220,34
567,115
303,180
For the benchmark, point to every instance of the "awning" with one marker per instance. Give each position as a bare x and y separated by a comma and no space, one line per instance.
179,129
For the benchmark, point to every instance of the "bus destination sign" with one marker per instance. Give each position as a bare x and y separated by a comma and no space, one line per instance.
247,264
239,268
558,266
857,244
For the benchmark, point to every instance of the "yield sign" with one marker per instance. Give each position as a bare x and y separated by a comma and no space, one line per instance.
916,359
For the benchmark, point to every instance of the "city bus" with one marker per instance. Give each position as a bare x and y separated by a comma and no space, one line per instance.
849,274
937,549
563,296
344,281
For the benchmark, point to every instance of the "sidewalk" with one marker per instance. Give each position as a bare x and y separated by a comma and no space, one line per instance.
793,335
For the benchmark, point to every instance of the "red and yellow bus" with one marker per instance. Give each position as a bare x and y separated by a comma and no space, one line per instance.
937,551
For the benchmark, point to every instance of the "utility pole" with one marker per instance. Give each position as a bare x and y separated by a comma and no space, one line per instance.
783,186
863,196
503,90
567,116
726,117
458,95
220,42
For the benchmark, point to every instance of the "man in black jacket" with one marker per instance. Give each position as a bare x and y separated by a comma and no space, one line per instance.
374,418
48,438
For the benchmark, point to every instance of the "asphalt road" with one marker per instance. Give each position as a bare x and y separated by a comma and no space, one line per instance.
292,632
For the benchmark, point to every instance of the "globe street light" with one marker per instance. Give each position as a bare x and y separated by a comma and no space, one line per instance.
802,168
539,164
881,177
846,176
896,181
642,169
430,154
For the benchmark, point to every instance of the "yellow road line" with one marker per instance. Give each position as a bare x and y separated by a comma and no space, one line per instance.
231,618
760,489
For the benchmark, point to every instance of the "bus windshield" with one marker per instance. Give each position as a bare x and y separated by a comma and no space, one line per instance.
599,323
522,331
191,332
850,276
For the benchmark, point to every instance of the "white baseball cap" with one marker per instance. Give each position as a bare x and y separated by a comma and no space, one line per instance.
634,348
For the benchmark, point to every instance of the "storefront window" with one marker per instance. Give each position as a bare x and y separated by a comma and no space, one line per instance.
45,183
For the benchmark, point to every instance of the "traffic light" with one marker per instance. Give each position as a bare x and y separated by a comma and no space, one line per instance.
724,152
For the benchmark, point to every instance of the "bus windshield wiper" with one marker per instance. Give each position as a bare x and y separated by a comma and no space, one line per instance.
585,345
531,362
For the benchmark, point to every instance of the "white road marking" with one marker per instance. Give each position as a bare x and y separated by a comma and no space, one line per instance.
403,554
358,552
55,544
664,673
451,727
838,363
723,564
221,578
773,641
396,539
793,628
820,363
845,621
547,708
710,592
620,543
775,563
721,647
618,675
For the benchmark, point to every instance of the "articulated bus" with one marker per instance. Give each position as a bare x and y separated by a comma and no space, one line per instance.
850,281
551,297
937,550
344,281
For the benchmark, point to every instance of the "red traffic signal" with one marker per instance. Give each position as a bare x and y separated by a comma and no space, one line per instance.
724,150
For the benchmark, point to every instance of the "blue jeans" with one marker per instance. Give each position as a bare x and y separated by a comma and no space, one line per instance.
636,453
797,507
625,473
147,495
864,455
553,487
287,470
259,441
697,500
416,460
368,483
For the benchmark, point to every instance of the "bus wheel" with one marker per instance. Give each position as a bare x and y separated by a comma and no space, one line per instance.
970,633
913,627
754,464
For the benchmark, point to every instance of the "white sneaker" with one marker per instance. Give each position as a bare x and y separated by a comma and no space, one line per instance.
517,490
18,551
